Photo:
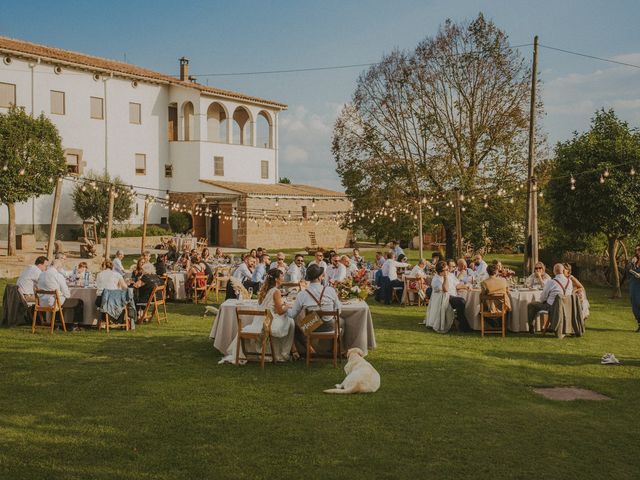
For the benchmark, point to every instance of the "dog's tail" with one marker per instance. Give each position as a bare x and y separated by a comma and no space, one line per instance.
351,389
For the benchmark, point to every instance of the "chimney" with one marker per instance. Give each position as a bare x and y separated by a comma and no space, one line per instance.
184,69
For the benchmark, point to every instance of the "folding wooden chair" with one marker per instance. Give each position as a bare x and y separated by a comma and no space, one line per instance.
260,337
221,278
53,310
485,312
200,287
332,335
413,285
107,322
155,302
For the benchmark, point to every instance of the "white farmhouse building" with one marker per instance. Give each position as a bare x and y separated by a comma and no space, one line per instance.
156,131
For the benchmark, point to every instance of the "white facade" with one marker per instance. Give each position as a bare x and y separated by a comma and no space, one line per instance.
111,143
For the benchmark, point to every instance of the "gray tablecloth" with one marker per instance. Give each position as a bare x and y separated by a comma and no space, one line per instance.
179,280
358,325
88,296
191,242
519,301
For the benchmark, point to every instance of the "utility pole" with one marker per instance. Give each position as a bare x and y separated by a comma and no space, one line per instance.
531,220
458,225
420,229
144,225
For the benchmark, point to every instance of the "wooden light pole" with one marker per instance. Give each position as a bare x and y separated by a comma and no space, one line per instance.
458,225
144,225
107,244
420,229
54,218
531,220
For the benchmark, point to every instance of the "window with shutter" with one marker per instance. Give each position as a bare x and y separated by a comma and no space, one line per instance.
218,166
135,113
97,108
7,94
73,163
57,102
141,164
264,169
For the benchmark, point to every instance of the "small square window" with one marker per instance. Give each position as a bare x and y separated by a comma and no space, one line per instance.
97,108
168,171
141,164
264,169
7,95
218,166
135,113
73,163
304,211
57,102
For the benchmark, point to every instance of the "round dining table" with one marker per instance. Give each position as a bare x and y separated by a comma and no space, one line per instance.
88,296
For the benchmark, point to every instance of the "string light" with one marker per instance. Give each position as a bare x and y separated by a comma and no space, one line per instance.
632,172
601,179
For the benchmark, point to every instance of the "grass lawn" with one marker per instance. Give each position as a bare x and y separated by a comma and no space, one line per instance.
154,404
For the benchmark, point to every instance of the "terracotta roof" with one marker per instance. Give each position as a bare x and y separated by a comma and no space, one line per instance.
13,46
282,189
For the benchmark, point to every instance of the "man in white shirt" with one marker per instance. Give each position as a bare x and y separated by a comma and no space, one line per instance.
261,269
52,279
481,268
117,262
418,270
319,260
336,271
28,279
379,260
397,250
297,270
462,272
244,273
558,285
390,276
351,267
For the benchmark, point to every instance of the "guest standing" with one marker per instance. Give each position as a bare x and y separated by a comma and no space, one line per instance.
634,285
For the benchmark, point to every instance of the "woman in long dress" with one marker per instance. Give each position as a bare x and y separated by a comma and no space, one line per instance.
282,326
579,290
634,285
439,314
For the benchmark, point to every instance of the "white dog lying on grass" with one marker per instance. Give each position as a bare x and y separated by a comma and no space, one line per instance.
361,376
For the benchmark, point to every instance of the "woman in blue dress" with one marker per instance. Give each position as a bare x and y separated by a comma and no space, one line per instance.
634,285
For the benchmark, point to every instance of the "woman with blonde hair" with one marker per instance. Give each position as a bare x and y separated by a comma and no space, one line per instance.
539,276
578,289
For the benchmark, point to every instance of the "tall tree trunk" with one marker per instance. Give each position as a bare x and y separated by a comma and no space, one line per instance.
11,233
613,266
450,240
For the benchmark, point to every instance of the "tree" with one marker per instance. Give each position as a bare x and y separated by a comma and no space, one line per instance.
284,180
606,197
91,200
180,222
31,158
450,115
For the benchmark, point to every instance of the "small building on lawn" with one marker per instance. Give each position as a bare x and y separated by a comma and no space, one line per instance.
279,215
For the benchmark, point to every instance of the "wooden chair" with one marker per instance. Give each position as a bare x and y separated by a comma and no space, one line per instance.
106,320
54,310
260,337
485,312
395,294
202,242
158,291
413,285
221,278
200,287
333,335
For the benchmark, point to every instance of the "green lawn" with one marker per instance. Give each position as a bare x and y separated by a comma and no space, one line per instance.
154,404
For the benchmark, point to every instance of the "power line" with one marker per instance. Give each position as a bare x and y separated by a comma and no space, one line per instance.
589,56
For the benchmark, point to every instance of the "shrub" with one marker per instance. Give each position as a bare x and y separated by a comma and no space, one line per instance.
152,231
180,222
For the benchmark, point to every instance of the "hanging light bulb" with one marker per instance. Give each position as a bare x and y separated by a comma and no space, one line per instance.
601,179
387,203
22,171
633,171
541,194
5,167
606,172
486,205
313,202
462,197
277,203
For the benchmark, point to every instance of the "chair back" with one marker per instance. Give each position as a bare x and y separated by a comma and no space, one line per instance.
495,304
159,293
57,304
200,280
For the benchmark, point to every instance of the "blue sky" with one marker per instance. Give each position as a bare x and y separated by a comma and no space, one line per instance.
239,36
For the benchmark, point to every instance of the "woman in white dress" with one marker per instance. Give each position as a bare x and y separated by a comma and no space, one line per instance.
282,326
579,290
439,314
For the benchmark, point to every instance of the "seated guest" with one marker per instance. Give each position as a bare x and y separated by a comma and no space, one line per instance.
419,270
52,279
196,276
396,249
315,297
147,256
172,254
462,272
538,278
468,260
206,255
351,267
144,286
137,272
161,264
253,252
356,259
336,272
28,279
244,274
78,273
481,268
108,279
183,263
495,285
259,252
379,260
390,276
579,290
558,285
435,258
260,272
297,270
117,262
280,264
63,267
452,287
318,260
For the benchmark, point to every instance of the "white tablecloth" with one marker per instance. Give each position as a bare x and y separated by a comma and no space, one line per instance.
179,279
358,325
519,301
88,296
180,242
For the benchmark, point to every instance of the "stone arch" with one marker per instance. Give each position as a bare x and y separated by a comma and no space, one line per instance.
188,121
217,122
264,130
242,124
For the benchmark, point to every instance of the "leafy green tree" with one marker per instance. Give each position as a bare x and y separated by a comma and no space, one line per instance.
180,222
606,197
91,200
284,180
31,158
